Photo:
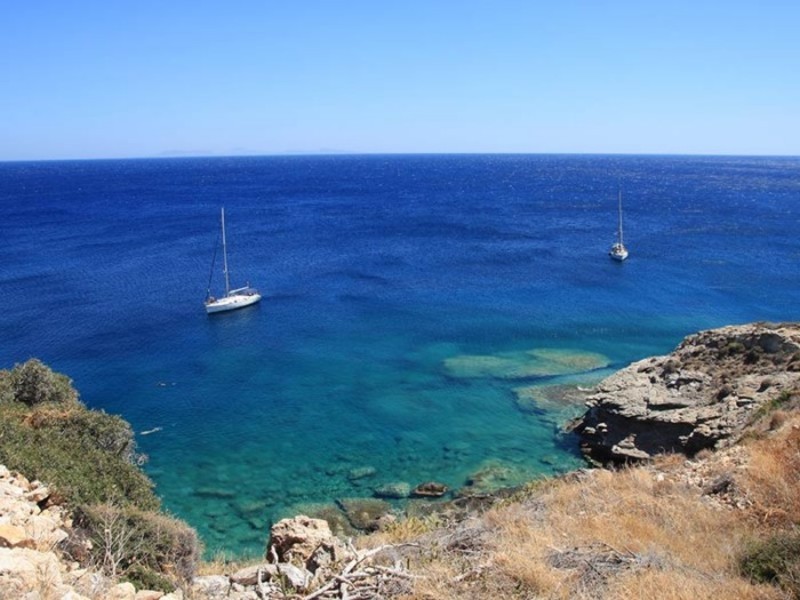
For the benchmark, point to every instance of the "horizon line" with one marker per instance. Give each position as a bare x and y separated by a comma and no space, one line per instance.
331,153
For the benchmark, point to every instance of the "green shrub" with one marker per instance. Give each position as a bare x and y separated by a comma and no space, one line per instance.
775,560
33,383
773,404
88,428
731,349
61,448
89,459
151,550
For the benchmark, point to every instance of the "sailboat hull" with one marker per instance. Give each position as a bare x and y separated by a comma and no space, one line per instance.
232,302
618,252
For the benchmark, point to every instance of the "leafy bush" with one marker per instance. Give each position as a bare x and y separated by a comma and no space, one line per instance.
149,549
775,560
33,383
83,454
89,458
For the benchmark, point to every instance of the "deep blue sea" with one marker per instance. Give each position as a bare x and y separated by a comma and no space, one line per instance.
411,306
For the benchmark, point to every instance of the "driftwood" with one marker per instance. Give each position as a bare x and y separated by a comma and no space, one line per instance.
359,580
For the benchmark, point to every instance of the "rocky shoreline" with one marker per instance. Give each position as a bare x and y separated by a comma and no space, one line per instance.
704,396
700,396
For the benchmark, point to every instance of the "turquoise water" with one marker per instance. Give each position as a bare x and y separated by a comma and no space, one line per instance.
384,277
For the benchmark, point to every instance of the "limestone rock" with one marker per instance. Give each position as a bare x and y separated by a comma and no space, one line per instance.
295,576
13,536
210,586
298,537
249,575
149,595
702,395
122,591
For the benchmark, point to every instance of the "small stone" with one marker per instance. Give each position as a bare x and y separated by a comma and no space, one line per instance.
38,494
296,577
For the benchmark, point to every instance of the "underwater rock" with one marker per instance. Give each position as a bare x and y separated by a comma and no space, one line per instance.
218,493
364,514
361,473
534,398
250,509
396,489
540,362
492,476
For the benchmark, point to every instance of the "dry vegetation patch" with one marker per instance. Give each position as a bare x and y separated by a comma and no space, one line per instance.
723,525
772,480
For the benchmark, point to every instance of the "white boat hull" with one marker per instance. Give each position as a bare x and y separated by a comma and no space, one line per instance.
618,252
232,302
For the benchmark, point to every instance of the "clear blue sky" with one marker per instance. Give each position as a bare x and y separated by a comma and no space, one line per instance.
90,79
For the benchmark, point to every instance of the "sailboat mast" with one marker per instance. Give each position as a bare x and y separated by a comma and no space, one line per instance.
619,233
225,255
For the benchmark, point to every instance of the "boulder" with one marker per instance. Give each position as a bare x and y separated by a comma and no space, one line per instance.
23,570
702,395
296,539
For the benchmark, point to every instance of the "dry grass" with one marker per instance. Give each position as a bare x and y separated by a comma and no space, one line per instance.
222,563
615,526
772,482
672,585
632,533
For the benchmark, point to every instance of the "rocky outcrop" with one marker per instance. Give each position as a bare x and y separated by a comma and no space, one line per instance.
702,395
32,525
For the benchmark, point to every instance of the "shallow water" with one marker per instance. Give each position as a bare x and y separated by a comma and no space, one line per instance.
378,272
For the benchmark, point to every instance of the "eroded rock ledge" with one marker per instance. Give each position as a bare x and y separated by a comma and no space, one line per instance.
702,395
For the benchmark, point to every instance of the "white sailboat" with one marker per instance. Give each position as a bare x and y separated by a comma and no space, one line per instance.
233,299
618,250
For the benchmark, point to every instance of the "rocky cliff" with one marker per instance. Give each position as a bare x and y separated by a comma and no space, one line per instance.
702,395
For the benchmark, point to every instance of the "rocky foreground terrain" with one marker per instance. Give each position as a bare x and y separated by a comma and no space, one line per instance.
33,525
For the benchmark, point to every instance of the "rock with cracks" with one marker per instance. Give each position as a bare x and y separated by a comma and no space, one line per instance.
702,395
